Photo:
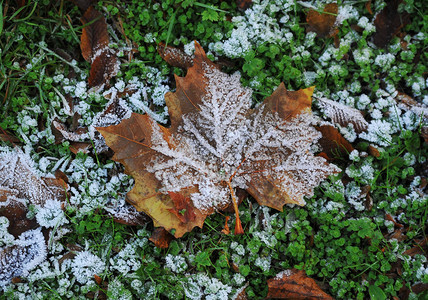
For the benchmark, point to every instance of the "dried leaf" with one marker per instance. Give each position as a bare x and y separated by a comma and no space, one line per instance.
94,35
16,212
18,174
373,151
424,133
77,135
342,114
368,6
226,229
26,254
175,57
216,144
127,215
244,4
76,147
323,23
294,284
388,23
104,67
241,294
408,103
421,247
94,46
183,207
98,279
333,143
161,238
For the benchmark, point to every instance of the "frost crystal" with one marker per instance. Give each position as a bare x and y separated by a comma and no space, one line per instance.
51,215
221,139
85,265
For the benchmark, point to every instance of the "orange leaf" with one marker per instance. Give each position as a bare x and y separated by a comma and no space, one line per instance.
183,207
161,238
294,284
98,279
226,229
323,23
217,144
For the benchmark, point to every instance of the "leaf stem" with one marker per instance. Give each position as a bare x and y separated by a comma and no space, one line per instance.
238,225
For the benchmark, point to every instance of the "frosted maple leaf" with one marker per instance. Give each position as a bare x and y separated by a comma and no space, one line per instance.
216,143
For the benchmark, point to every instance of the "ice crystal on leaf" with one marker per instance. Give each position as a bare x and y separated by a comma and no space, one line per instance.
85,265
18,175
216,143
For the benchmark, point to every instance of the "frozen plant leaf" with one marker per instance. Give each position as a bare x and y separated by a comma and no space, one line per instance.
216,144
343,115
17,260
294,284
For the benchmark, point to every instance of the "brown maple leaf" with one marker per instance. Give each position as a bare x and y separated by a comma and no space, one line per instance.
216,144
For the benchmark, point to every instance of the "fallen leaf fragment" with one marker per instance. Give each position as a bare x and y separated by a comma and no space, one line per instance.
368,6
94,45
94,35
294,284
127,215
323,23
333,144
77,135
161,238
244,4
388,23
76,147
216,144
174,56
373,151
16,212
421,247
98,279
343,115
226,229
